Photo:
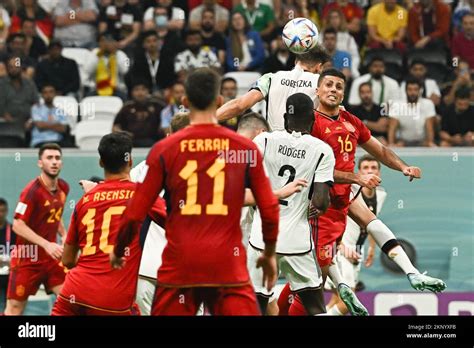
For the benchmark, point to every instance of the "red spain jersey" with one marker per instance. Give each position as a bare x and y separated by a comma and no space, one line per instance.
94,227
41,210
204,170
343,135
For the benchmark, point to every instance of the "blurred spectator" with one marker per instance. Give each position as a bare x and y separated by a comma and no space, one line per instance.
108,68
17,94
228,4
34,46
179,121
48,5
221,15
345,41
341,60
260,17
151,66
462,77
279,59
428,24
210,37
414,120
58,71
75,23
173,107
229,92
121,20
174,19
370,113
48,123
195,56
429,89
244,47
4,27
384,88
457,121
7,241
140,117
387,25
16,46
353,14
29,9
298,8
463,42
463,7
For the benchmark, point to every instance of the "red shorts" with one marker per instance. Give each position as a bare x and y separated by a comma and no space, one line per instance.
64,307
289,303
237,300
26,278
328,228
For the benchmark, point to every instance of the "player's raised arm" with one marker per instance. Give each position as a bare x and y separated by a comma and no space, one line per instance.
385,155
151,184
364,180
237,106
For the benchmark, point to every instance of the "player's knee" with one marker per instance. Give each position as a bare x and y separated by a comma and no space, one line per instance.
14,307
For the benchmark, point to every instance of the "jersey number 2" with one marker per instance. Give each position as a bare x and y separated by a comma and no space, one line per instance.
89,221
281,172
216,172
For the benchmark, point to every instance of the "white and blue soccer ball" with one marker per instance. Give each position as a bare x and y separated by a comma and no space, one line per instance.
300,35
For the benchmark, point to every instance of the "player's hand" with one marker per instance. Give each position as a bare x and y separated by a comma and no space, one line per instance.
87,185
412,172
54,250
269,267
314,212
293,187
117,262
349,253
370,257
369,180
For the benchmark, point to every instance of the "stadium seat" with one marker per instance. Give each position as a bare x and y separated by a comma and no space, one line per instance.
393,62
70,106
82,56
245,79
436,63
89,133
100,108
11,135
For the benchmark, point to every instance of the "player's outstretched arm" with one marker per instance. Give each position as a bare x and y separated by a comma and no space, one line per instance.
282,193
390,158
366,180
23,230
236,107
70,255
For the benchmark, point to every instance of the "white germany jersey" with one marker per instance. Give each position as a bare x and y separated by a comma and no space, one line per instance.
287,157
277,87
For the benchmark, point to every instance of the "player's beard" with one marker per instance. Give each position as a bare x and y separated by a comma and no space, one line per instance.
51,175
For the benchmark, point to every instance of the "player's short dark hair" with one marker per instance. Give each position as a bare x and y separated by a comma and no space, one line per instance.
299,109
411,80
463,92
252,121
369,158
48,84
331,72
330,30
115,149
4,202
365,84
376,58
191,32
49,146
179,121
211,10
149,33
202,88
96,179
314,56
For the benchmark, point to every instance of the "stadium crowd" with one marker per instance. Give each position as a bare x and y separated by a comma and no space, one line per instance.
409,63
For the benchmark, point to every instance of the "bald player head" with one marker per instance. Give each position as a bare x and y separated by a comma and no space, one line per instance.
299,115
252,124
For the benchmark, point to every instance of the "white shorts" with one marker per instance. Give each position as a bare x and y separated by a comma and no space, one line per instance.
349,272
301,271
145,294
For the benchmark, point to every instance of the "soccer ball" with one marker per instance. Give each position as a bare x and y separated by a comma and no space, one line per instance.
300,35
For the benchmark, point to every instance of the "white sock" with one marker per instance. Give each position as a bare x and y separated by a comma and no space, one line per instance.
335,275
399,256
382,234
335,311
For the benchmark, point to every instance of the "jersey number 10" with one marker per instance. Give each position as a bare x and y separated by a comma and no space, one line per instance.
216,172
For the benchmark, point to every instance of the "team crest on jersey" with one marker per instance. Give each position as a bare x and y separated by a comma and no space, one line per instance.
349,126
20,290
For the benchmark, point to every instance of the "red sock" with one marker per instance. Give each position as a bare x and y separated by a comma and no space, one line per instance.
284,301
297,307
